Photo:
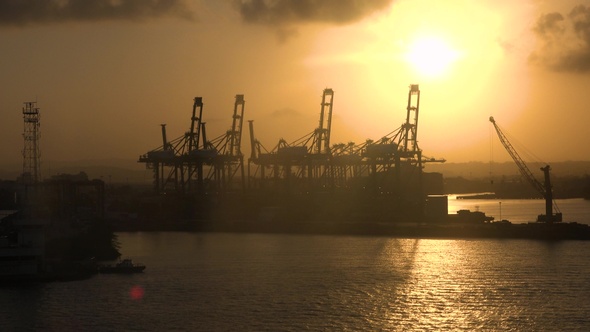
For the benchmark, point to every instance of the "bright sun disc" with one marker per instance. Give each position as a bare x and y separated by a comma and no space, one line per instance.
431,56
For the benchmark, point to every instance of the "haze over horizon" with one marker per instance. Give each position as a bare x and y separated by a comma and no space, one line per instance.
107,73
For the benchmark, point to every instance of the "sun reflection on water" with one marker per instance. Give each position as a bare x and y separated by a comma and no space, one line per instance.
443,289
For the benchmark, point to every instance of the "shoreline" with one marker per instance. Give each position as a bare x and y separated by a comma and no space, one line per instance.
420,230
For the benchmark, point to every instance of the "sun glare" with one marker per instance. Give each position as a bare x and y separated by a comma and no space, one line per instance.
460,53
431,56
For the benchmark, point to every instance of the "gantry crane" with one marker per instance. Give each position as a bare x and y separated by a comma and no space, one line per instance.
322,133
409,135
399,149
306,160
170,162
229,159
545,189
193,164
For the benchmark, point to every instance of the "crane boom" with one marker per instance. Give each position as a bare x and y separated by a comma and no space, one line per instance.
522,167
545,189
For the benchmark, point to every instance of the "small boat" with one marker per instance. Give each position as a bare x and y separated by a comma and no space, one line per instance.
124,266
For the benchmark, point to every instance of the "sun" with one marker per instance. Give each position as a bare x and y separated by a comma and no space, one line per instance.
431,56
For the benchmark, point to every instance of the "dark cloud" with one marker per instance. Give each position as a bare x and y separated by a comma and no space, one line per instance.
564,41
580,17
24,12
286,12
550,24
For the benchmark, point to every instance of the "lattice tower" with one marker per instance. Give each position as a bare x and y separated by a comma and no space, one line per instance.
32,134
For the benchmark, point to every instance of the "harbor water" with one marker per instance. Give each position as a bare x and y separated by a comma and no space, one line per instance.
277,282
523,210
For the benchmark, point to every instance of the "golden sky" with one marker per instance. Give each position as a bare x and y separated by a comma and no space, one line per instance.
107,73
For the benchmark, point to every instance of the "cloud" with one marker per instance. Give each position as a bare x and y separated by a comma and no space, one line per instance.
564,41
25,12
550,24
287,12
580,17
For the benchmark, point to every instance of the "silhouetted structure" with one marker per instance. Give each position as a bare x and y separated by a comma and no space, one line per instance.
192,164
545,189
382,176
302,165
389,165
31,151
54,223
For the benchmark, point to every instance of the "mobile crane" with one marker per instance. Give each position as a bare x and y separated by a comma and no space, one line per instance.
545,189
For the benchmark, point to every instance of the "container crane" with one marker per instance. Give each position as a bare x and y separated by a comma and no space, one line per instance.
545,189
306,161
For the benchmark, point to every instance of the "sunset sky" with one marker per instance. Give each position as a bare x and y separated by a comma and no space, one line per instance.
107,73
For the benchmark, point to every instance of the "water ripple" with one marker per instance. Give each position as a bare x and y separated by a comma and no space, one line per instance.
231,282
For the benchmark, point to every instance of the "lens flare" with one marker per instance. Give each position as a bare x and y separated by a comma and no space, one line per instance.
136,292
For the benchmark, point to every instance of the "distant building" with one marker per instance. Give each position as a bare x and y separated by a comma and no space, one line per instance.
22,244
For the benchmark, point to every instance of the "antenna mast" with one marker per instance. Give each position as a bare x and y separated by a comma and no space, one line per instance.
31,152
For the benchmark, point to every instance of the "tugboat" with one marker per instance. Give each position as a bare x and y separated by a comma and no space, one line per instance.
124,266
